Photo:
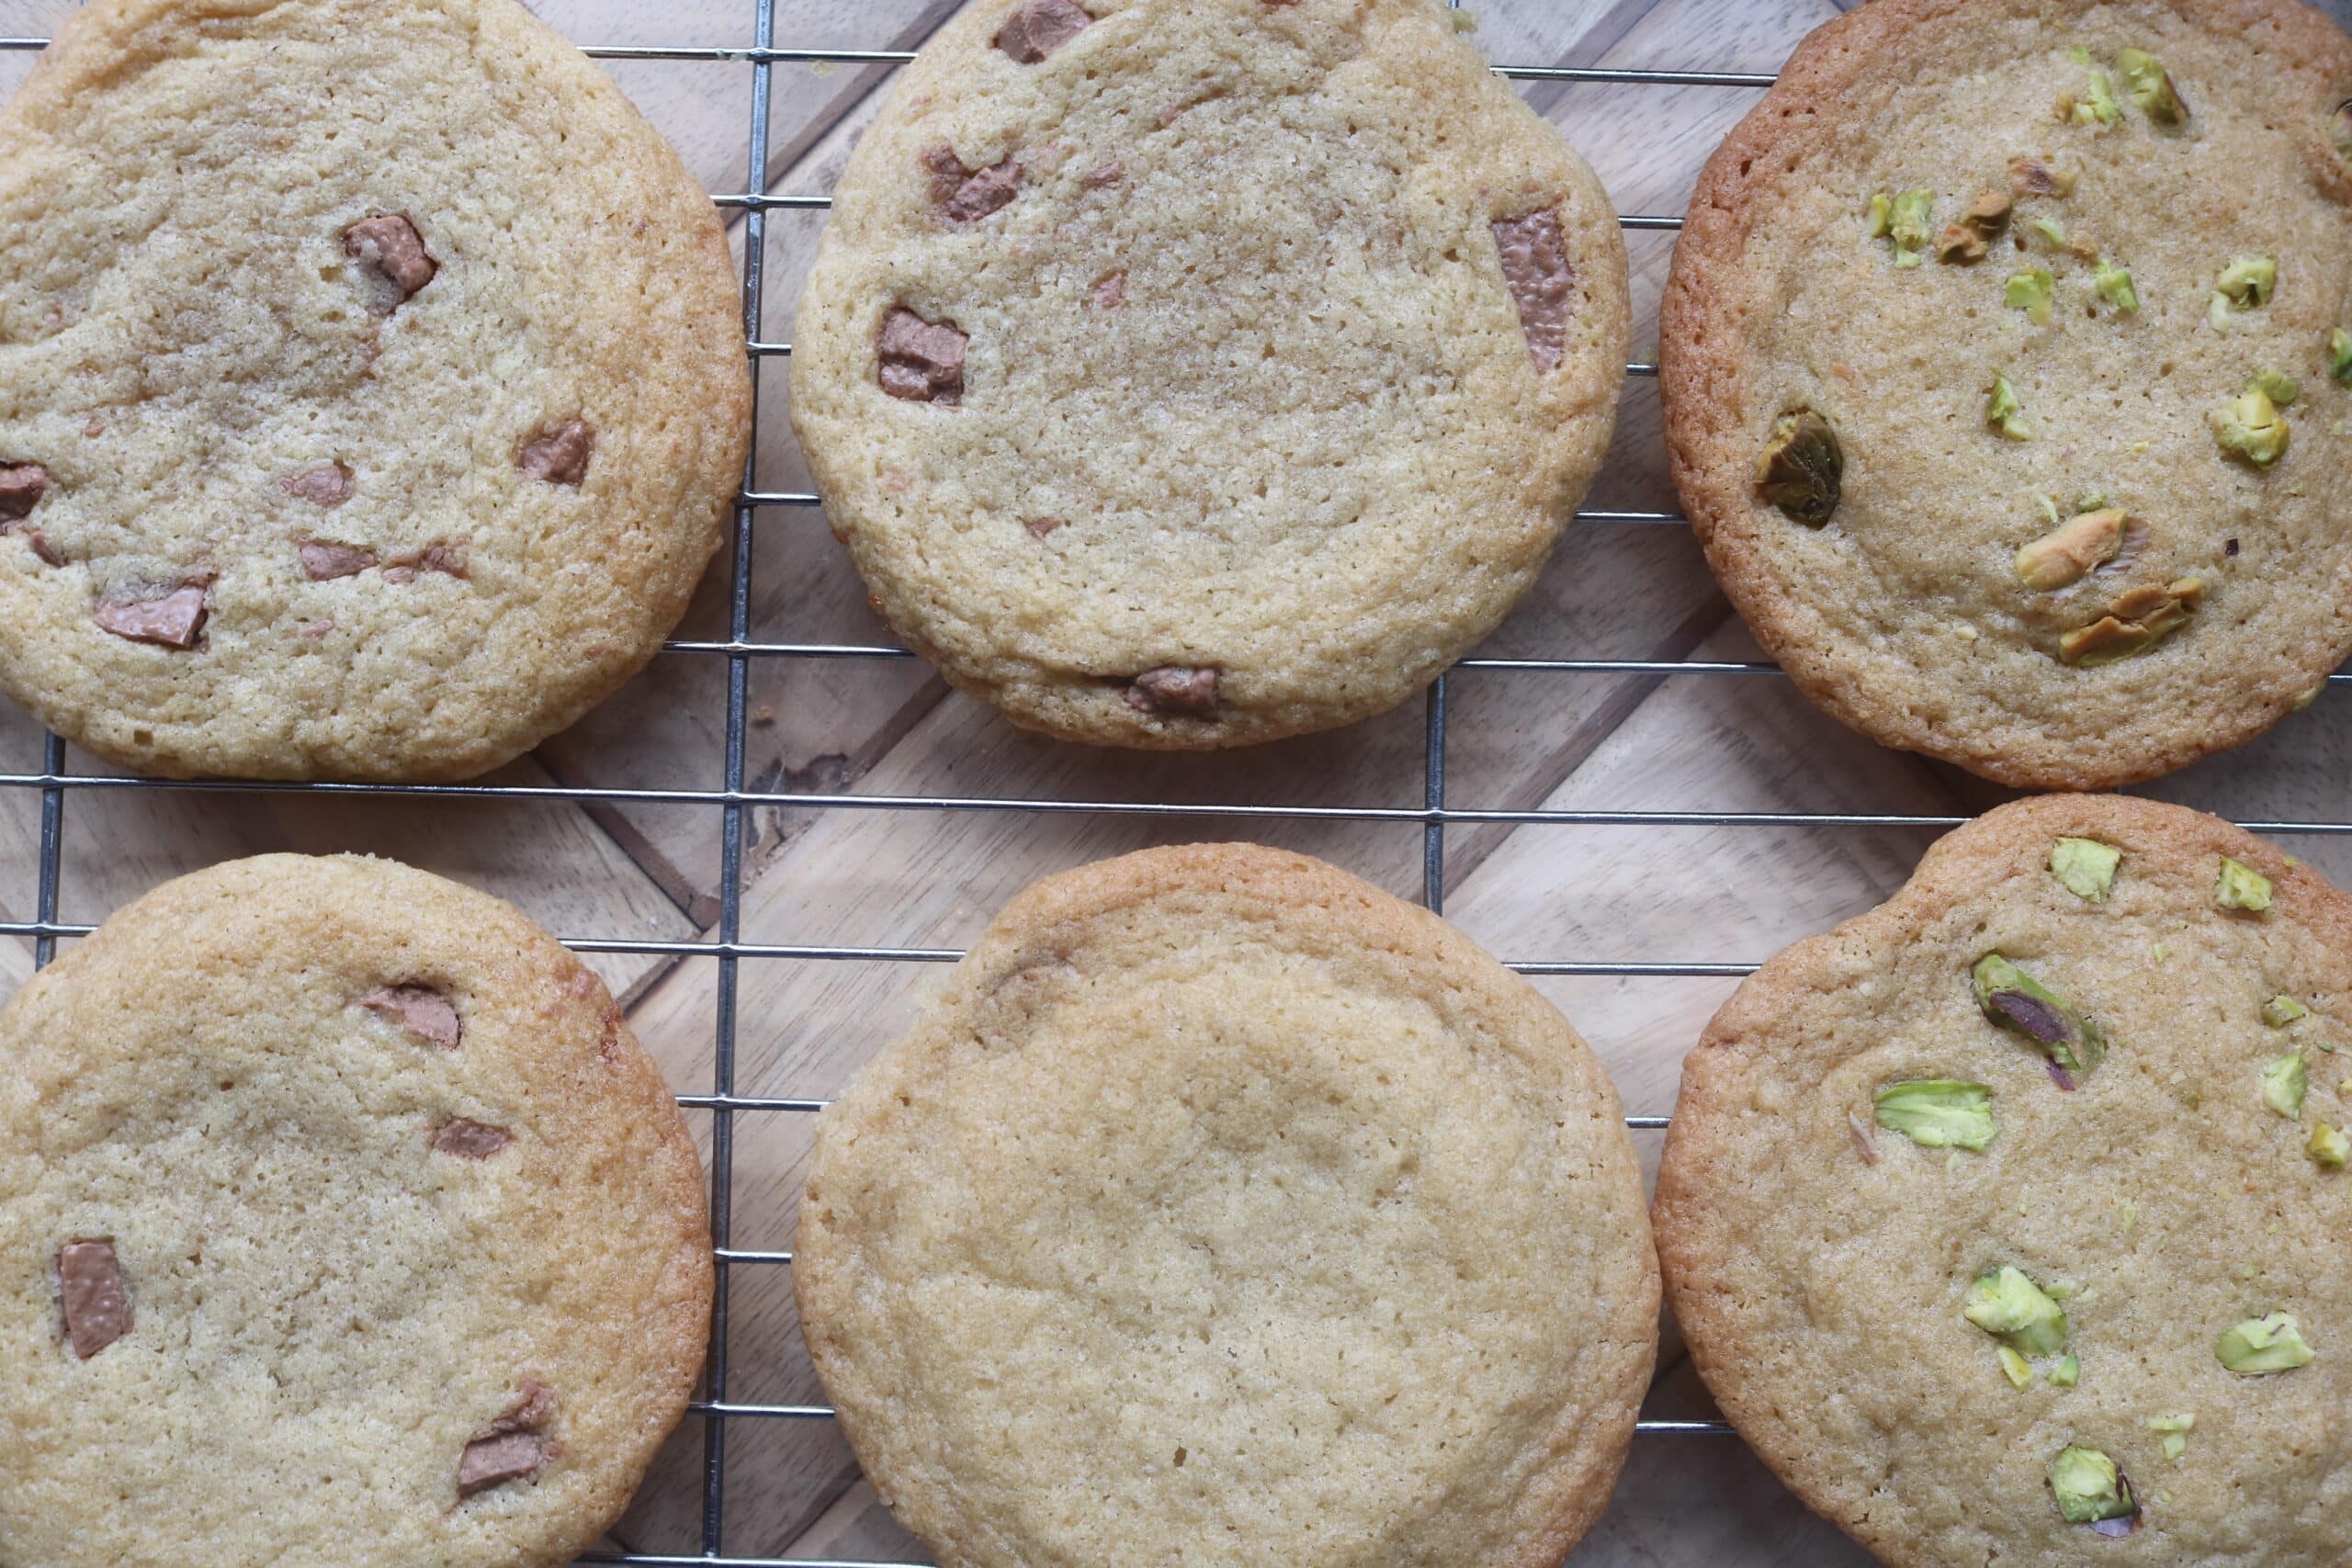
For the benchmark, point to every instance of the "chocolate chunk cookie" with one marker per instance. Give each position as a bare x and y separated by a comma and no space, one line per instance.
342,1220
2007,367
1249,1208
371,386
1186,373
2014,1214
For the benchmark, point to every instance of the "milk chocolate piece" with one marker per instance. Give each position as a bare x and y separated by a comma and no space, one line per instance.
1109,175
323,559
420,1009
1039,27
329,484
173,618
966,195
1173,688
390,244
21,486
461,1139
1535,265
97,1307
558,455
1111,291
922,361
36,538
510,1448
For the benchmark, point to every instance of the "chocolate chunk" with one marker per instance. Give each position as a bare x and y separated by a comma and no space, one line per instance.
420,1009
1535,265
1173,688
36,538
510,1448
172,617
390,245
1111,291
1039,27
558,455
922,361
329,484
324,559
443,558
470,1140
967,194
1041,527
98,1308
1108,175
21,486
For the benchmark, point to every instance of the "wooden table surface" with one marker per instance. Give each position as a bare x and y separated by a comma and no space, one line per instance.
1687,892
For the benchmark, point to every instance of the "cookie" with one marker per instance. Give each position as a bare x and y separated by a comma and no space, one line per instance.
1187,373
1224,1209
372,386
2013,1214
2008,370
342,1220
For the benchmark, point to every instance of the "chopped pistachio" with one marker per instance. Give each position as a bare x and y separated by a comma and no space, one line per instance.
2033,291
2114,286
2261,1344
2240,887
2150,86
2032,176
2051,229
2017,1002
2016,1368
1968,237
1938,1113
2283,1009
2084,867
2095,105
2328,1146
2088,1487
1802,468
2011,1307
1879,217
2004,412
2249,281
2339,130
2250,426
2072,550
2068,1373
2340,355
2305,699
2139,620
2278,385
2283,1083
2175,1430
1909,225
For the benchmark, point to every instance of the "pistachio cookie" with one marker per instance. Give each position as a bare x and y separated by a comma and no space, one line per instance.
1187,373
2008,368
1226,1210
371,385
2014,1213
342,1222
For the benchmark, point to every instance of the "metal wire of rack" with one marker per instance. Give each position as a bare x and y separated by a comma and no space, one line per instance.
734,800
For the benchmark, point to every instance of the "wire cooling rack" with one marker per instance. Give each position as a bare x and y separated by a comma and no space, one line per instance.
733,801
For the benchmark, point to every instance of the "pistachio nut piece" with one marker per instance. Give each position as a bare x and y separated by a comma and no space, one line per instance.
2068,1373
1878,218
2008,1305
2250,426
2175,1430
1911,225
2262,1345
2239,887
2339,132
2089,1487
2072,550
1938,1113
2147,84
2034,291
2248,282
2339,354
2283,1083
2084,867
1802,468
2140,620
2003,411
2017,1002
1971,235
2016,1368
2327,1145
2278,385
2114,286
2095,105
2283,1009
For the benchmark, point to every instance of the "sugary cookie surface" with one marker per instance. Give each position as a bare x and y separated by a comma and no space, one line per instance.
1184,373
370,386
342,1222
2008,374
2010,1222
1226,1210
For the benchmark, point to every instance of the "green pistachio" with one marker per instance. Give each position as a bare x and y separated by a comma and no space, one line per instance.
2240,887
2283,1082
2095,105
2261,1344
2282,1010
2329,1146
2003,411
1938,1113
1878,220
2134,624
2175,1430
2114,286
2339,354
2017,1002
2249,281
2016,1368
2278,385
2033,291
1911,225
2013,1309
2088,1487
2084,867
1970,236
1802,468
2066,1373
2072,550
2148,84
2250,426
